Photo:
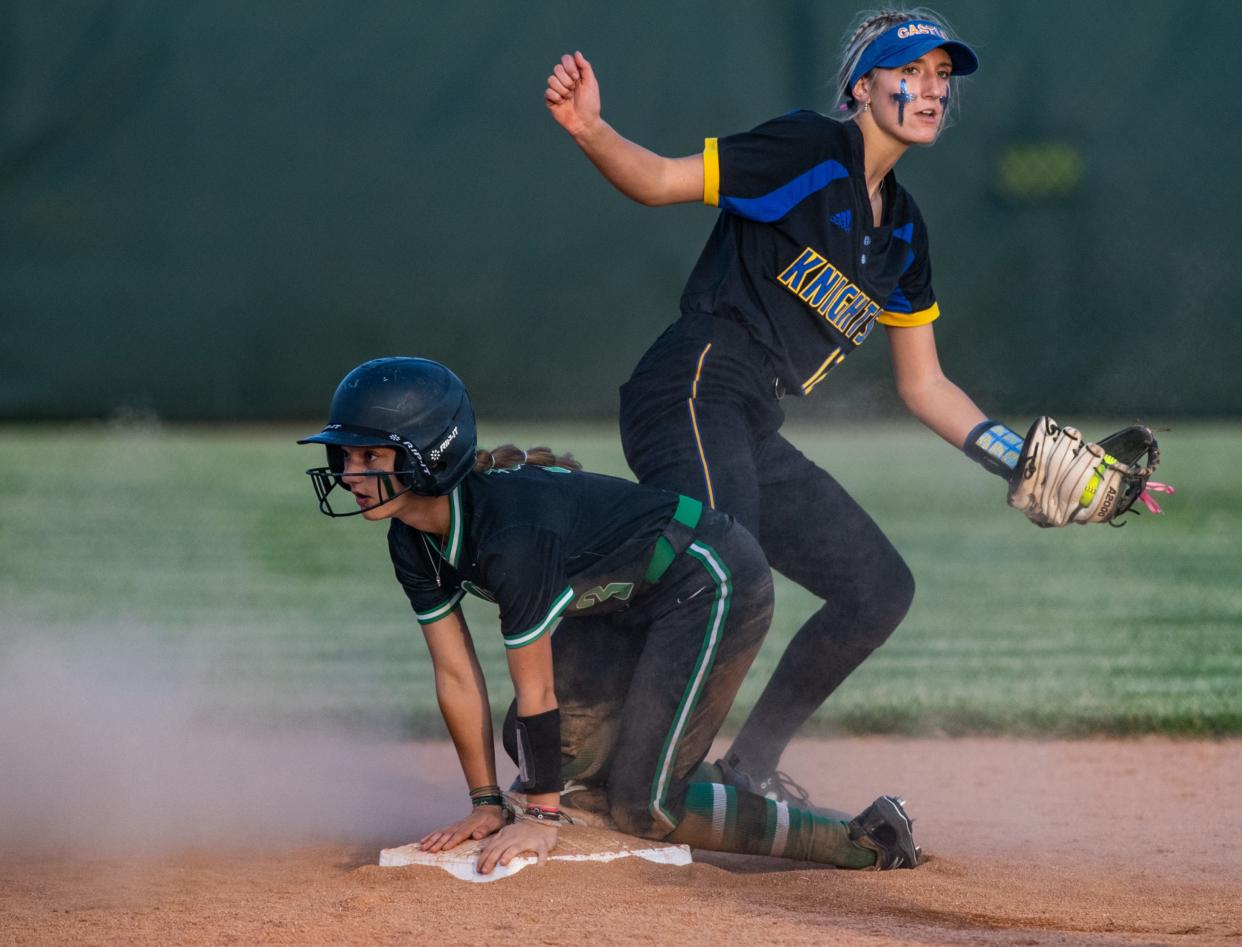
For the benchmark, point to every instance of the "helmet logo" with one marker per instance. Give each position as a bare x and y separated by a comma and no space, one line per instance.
414,452
443,445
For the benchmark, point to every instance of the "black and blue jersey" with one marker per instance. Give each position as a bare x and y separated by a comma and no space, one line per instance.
541,542
794,256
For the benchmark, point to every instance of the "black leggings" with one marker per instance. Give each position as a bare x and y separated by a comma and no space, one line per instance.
701,416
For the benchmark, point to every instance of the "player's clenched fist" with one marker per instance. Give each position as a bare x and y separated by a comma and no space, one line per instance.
572,95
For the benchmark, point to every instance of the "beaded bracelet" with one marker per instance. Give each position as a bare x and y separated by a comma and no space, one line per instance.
544,814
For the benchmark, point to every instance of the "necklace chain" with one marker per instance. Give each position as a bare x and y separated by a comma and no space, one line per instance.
435,556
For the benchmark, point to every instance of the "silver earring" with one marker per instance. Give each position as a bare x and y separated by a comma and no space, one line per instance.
866,107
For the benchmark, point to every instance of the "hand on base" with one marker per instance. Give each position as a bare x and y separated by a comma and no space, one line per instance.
482,822
520,838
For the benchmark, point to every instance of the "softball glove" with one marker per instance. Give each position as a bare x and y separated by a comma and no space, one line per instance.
1062,478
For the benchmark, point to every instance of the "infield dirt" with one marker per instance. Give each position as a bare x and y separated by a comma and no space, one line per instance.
1028,843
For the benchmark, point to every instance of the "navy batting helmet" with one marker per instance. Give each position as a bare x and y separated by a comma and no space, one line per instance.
414,405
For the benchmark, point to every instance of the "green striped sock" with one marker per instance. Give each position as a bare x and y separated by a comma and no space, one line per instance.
722,819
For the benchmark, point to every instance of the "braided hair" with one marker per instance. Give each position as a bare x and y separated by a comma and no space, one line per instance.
509,455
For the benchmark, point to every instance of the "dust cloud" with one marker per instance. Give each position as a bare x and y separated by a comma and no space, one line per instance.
103,749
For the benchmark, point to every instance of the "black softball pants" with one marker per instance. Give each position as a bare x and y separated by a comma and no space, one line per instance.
701,416
644,690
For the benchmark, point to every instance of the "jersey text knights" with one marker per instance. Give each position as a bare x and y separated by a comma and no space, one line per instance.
796,256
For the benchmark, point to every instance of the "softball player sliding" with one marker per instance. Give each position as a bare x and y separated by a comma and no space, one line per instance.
662,604
815,244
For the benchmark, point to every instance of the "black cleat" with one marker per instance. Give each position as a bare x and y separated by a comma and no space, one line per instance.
776,785
884,828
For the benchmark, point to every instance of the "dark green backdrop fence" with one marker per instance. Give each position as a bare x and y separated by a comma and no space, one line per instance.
212,210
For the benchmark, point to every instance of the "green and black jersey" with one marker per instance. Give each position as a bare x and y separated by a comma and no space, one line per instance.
795,256
541,542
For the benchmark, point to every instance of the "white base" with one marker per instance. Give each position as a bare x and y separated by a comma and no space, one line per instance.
460,861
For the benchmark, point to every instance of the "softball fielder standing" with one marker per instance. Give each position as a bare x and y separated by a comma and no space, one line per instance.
815,245
661,604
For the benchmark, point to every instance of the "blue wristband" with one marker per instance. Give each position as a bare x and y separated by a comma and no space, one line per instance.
995,447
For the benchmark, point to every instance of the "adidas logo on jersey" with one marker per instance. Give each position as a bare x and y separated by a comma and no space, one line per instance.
841,219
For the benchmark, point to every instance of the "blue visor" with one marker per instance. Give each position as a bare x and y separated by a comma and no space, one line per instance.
906,42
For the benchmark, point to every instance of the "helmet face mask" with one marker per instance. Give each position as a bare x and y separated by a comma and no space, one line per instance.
415,406
392,484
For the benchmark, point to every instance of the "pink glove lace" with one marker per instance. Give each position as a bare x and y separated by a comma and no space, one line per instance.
1154,487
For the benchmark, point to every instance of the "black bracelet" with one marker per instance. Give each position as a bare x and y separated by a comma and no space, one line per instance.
496,800
542,814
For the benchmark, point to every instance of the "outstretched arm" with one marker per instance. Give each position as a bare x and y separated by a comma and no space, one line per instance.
572,96
1064,478
531,669
944,407
930,396
462,695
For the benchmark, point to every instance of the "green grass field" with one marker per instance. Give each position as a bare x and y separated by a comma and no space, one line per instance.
195,556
